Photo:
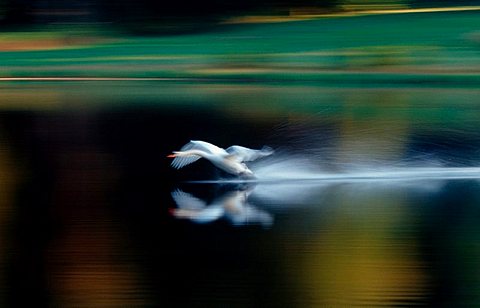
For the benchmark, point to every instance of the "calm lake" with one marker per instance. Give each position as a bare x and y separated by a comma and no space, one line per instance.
372,197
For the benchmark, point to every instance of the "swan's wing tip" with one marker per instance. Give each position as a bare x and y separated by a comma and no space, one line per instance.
180,162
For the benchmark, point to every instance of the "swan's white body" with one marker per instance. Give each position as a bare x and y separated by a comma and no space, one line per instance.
230,160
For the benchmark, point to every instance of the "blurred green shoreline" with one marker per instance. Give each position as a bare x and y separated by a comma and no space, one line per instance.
410,48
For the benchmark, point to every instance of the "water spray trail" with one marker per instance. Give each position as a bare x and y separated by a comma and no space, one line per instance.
302,169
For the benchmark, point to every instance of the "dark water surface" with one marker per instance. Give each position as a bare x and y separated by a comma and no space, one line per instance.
92,215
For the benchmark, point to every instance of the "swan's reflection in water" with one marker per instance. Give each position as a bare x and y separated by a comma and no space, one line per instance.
244,203
232,204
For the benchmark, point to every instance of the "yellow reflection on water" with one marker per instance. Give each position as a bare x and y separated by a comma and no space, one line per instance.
21,98
361,257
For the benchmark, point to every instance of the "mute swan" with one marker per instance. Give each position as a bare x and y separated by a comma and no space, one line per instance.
230,160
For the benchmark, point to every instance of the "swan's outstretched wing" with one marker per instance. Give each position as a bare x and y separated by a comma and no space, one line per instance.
181,161
204,146
187,201
242,154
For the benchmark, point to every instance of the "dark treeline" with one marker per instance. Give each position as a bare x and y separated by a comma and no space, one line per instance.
152,14
139,11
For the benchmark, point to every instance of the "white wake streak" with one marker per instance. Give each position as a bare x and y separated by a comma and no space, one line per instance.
299,169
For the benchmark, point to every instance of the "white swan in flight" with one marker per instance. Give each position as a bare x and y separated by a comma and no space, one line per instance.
230,160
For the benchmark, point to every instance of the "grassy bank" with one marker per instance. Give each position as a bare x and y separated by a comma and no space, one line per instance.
438,47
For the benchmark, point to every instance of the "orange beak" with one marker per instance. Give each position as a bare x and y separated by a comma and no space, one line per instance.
171,156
